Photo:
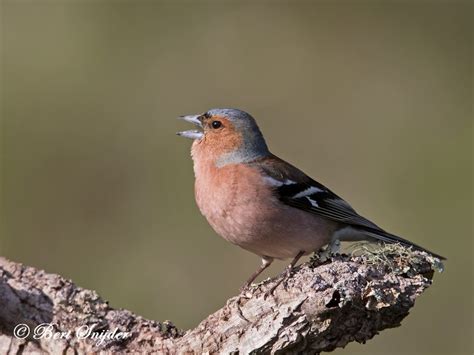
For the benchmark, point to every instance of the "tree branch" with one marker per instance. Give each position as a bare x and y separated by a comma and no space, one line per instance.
320,308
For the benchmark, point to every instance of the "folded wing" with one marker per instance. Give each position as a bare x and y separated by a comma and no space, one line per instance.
296,189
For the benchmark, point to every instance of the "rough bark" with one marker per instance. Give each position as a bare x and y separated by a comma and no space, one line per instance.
319,308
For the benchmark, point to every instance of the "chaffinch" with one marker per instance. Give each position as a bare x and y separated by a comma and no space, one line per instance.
263,204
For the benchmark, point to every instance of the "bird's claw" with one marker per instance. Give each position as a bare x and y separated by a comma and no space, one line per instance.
332,249
282,277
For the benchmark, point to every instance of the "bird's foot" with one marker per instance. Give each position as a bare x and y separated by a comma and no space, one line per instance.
287,273
245,288
282,277
325,254
248,289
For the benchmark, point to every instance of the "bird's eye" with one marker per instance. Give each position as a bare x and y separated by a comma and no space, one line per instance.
216,124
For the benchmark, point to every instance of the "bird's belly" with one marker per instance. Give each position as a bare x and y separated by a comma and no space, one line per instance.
286,233
266,227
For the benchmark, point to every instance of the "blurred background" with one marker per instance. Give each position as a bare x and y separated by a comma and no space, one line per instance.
372,99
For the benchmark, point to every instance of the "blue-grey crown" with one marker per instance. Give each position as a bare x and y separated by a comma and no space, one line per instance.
233,114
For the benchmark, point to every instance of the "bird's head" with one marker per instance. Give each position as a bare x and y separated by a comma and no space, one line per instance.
227,136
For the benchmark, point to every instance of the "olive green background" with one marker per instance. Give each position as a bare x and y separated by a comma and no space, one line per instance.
371,98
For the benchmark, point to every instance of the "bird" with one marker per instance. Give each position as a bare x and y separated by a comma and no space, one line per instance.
263,204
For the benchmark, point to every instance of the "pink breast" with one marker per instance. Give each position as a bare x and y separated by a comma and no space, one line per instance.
243,209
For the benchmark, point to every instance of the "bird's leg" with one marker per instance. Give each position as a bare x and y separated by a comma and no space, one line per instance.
332,249
266,262
293,262
287,273
335,246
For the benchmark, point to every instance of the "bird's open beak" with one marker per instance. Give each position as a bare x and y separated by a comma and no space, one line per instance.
192,134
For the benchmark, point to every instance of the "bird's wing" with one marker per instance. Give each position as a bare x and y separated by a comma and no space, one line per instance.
296,189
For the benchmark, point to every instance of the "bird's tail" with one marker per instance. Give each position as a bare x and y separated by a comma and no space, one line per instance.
380,234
